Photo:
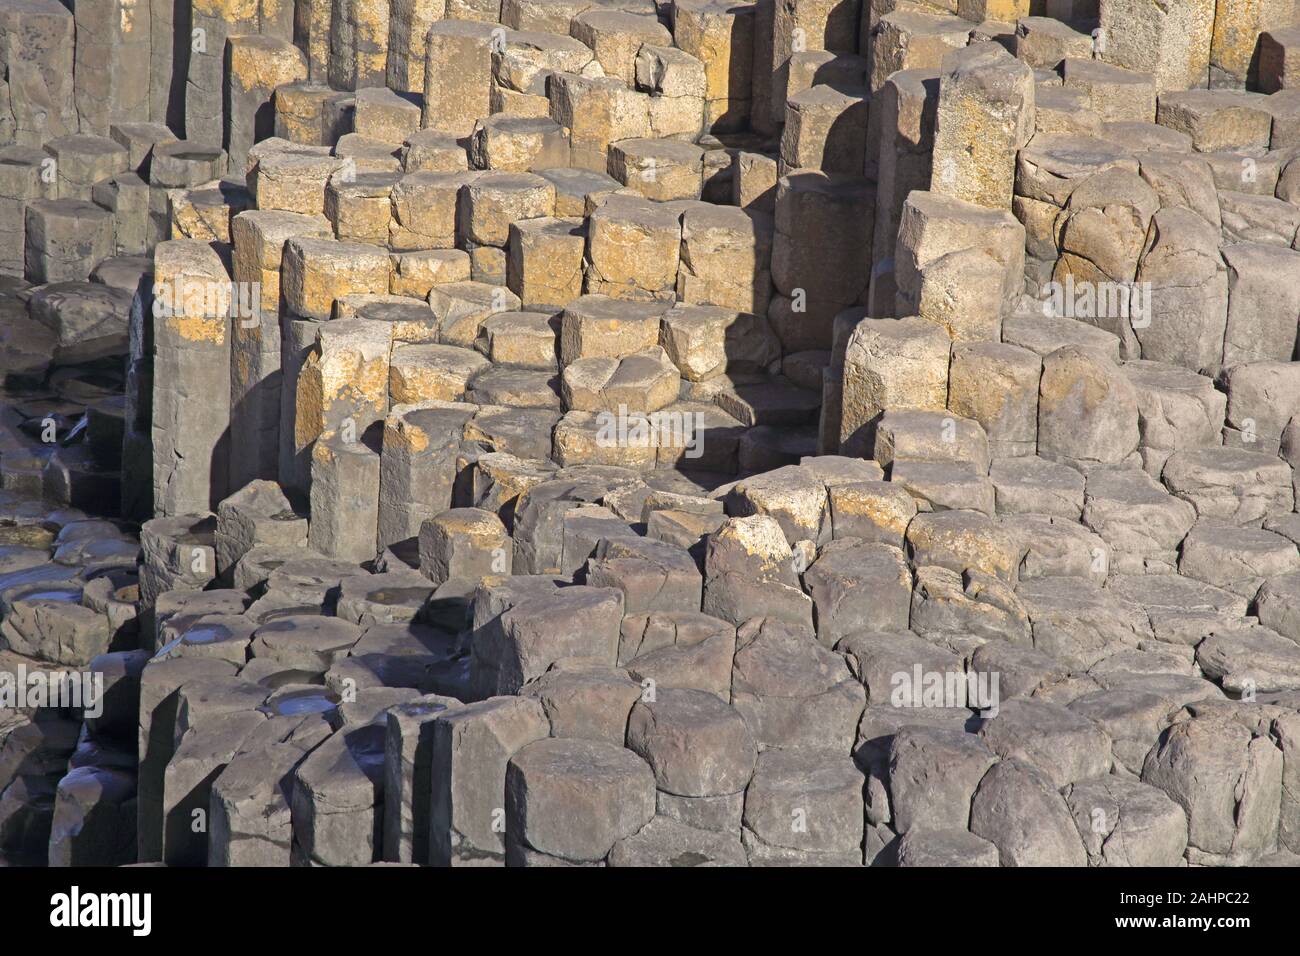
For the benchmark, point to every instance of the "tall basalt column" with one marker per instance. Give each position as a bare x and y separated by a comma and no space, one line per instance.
1170,39
986,114
297,341
417,473
311,27
36,60
255,368
801,25
114,42
457,76
345,495
721,36
257,65
342,388
166,83
1235,46
214,22
137,447
21,182
408,30
358,44
907,104
821,254
191,380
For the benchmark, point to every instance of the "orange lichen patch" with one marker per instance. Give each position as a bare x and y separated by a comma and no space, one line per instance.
262,66
402,434
232,11
199,328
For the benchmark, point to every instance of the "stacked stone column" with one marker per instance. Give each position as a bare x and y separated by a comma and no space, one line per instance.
191,378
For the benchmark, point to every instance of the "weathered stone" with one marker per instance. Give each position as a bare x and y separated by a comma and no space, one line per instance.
1126,823
1226,780
985,114
964,541
1230,484
696,745
597,111
1217,119
933,773
890,363
1236,559
457,75
954,847
545,261
858,587
1017,809
548,779
791,691
463,543
1087,410
534,634
1115,93
633,249
1141,522
666,842
824,792
258,515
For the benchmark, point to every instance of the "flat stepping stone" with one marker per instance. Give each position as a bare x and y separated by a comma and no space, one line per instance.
305,642
953,847
1248,659
1236,559
665,842
1230,484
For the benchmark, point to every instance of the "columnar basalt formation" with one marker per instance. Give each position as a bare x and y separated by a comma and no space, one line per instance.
546,433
